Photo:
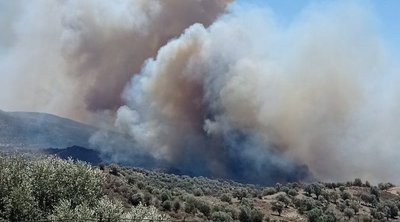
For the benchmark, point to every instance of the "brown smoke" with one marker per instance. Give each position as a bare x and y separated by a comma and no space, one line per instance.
72,56
248,97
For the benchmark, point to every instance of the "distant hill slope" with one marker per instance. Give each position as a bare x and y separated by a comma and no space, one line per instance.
40,130
31,132
76,153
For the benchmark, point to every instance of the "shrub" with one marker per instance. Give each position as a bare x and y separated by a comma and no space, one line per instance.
385,186
309,189
204,208
140,185
348,212
292,192
333,196
108,210
284,189
114,170
190,207
176,205
245,214
278,187
131,180
246,202
147,199
135,199
240,193
317,188
64,212
304,204
375,191
357,182
220,216
277,206
314,215
345,195
32,188
284,199
226,198
355,206
376,214
388,208
256,215
198,192
369,199
165,196
167,205
141,213
269,191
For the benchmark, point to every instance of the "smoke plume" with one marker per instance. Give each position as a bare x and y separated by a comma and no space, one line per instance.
248,98
217,90
74,57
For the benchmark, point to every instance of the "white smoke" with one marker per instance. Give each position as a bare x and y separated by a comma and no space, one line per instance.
318,92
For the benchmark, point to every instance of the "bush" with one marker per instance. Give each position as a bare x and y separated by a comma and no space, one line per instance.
147,199
165,196
277,206
176,205
198,192
240,193
33,188
304,204
245,214
141,213
269,191
375,191
226,198
357,182
284,199
246,202
256,215
388,208
385,186
284,189
204,208
190,207
348,212
140,185
292,192
309,189
369,199
220,216
314,215
114,170
135,199
167,205
345,195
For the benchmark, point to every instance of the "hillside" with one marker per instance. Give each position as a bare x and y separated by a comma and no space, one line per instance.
76,153
185,198
51,134
51,189
40,130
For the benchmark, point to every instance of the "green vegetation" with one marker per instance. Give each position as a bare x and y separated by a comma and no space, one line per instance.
50,189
